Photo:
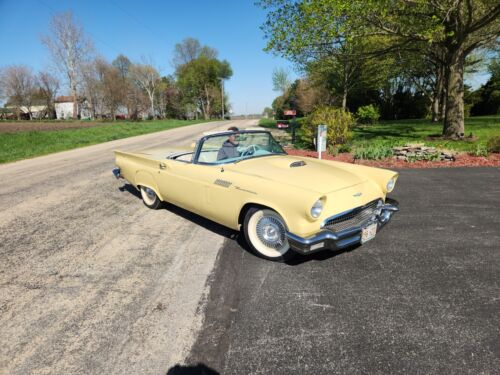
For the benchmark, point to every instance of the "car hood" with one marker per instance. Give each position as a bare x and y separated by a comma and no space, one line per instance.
306,173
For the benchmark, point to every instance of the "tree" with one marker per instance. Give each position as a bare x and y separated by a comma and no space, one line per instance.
113,87
281,80
122,64
489,93
190,49
267,112
200,82
17,85
308,96
90,79
454,27
48,86
147,78
70,48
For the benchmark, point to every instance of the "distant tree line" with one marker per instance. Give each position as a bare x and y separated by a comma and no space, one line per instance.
120,88
395,97
408,57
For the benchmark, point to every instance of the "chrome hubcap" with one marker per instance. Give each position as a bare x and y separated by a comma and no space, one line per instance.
150,194
271,232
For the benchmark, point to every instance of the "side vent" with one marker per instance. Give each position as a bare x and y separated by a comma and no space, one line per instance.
299,163
222,183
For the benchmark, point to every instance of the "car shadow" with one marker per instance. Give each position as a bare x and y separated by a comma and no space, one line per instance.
199,369
236,236
188,215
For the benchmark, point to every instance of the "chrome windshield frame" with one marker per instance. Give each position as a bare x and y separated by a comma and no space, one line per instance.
202,140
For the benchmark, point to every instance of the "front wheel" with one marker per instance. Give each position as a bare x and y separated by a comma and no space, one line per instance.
265,233
150,198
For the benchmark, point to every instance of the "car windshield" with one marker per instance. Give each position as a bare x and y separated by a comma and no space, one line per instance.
233,147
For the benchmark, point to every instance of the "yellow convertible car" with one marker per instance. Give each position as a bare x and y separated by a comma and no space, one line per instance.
283,204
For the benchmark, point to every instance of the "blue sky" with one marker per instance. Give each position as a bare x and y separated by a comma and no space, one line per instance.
150,29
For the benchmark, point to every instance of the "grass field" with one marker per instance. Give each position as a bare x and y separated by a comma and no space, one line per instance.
393,133
22,145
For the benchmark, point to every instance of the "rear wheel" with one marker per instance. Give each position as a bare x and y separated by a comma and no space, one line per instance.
265,233
150,198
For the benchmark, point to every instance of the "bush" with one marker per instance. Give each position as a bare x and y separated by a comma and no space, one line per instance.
373,152
339,124
493,144
368,114
480,150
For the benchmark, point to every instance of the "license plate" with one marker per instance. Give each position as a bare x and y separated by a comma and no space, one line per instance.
368,232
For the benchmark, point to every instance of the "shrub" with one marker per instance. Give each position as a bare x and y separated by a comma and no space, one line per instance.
339,124
480,150
368,114
373,152
425,157
493,144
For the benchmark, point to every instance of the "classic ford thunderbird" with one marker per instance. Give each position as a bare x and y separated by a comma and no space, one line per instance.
283,204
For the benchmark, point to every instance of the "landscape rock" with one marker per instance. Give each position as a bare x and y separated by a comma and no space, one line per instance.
418,151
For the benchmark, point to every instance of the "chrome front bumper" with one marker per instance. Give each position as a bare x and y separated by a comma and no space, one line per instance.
326,239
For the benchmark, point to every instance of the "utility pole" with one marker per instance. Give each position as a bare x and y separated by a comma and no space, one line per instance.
222,93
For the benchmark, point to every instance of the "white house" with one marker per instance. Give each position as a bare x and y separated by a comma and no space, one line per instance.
64,108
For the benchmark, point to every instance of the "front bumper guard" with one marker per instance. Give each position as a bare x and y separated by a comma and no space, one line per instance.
326,239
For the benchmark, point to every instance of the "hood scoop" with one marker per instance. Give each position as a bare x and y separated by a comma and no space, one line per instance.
296,164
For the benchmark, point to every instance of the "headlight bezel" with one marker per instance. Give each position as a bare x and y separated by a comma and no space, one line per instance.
391,184
317,207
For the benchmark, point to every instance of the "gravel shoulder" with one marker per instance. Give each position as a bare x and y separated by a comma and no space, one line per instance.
91,281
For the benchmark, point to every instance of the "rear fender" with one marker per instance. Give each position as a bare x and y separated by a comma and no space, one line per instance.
146,179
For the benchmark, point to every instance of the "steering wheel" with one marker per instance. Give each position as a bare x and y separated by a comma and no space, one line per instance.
250,150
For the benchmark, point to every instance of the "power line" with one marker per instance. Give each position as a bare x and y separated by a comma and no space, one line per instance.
133,17
53,13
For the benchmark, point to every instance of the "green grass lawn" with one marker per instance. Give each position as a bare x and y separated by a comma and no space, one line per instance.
393,133
16,146
417,131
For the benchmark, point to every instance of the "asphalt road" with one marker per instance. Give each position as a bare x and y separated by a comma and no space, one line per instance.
422,298
91,281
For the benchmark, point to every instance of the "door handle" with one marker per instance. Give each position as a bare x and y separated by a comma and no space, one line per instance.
162,166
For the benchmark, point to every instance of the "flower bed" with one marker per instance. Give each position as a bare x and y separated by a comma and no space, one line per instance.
461,160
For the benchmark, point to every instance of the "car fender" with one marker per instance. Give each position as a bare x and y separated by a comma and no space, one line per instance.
143,178
258,202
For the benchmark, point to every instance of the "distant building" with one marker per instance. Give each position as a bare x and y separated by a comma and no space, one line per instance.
64,108
38,110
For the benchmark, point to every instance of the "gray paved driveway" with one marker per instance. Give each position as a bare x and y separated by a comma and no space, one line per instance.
423,297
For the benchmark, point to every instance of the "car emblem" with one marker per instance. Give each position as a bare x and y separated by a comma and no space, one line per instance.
357,194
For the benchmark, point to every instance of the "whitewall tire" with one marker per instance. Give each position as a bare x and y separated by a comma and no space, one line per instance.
265,233
150,198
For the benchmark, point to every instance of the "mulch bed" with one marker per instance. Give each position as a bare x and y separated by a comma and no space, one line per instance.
462,160
17,127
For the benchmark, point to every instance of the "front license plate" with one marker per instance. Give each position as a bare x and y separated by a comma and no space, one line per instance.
367,233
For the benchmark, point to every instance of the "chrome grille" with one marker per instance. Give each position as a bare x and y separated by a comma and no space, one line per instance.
353,218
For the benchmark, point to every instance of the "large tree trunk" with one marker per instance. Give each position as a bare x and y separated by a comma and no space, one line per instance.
152,100
454,127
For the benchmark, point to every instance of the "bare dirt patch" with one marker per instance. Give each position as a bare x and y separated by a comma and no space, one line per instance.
27,126
462,160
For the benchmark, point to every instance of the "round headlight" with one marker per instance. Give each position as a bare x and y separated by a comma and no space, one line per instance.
390,184
317,208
